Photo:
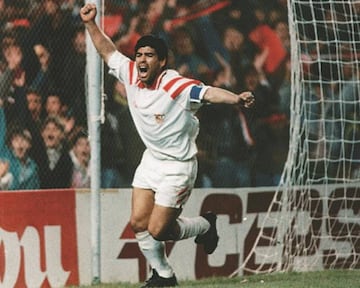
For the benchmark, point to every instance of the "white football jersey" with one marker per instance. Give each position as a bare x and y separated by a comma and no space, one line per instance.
164,113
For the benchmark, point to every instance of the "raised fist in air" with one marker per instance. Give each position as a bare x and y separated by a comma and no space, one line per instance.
88,12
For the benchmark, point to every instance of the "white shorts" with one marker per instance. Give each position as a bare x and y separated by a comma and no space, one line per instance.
171,180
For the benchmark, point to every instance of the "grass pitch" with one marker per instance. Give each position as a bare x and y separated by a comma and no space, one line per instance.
321,279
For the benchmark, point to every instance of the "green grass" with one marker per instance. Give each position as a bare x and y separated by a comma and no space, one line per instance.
321,279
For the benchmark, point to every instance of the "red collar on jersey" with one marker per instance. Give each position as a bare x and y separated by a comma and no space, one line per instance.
154,85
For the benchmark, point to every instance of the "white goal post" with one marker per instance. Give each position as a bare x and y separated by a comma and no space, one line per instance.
313,222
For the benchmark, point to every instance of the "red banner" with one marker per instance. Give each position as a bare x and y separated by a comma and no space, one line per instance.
38,240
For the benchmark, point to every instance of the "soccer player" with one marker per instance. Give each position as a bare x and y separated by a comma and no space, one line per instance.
162,104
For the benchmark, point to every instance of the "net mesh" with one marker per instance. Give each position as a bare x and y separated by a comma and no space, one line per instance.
313,220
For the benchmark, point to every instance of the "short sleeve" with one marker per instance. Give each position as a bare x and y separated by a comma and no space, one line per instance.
119,66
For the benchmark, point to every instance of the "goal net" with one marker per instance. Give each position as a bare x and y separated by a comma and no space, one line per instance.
313,222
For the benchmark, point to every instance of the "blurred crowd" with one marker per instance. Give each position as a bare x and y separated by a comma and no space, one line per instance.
238,45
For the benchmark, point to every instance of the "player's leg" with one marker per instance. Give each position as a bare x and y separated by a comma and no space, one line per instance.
163,221
152,249
156,215
165,225
147,176
178,180
142,204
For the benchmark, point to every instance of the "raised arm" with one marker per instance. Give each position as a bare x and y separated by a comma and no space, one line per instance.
102,42
219,95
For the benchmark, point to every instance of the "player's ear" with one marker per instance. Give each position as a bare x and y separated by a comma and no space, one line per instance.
163,63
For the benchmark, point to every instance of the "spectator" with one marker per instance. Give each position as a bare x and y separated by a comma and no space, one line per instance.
35,107
282,30
18,110
80,156
162,18
276,11
239,14
54,105
269,43
224,77
19,36
268,128
45,79
12,80
23,169
242,52
72,125
12,69
213,42
73,76
126,41
232,141
232,163
56,172
187,59
266,98
53,29
34,115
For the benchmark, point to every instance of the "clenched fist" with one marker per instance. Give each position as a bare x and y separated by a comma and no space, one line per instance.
88,12
247,99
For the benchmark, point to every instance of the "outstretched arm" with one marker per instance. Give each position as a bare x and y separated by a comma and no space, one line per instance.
219,95
102,42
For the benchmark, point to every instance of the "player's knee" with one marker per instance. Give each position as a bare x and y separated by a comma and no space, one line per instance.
138,225
157,233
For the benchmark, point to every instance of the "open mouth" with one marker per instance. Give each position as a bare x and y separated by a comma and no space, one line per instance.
84,155
143,71
20,151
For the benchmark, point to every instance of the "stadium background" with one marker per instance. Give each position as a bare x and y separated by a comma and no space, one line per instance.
234,44
219,42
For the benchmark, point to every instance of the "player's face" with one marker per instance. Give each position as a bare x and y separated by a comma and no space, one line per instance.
148,64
